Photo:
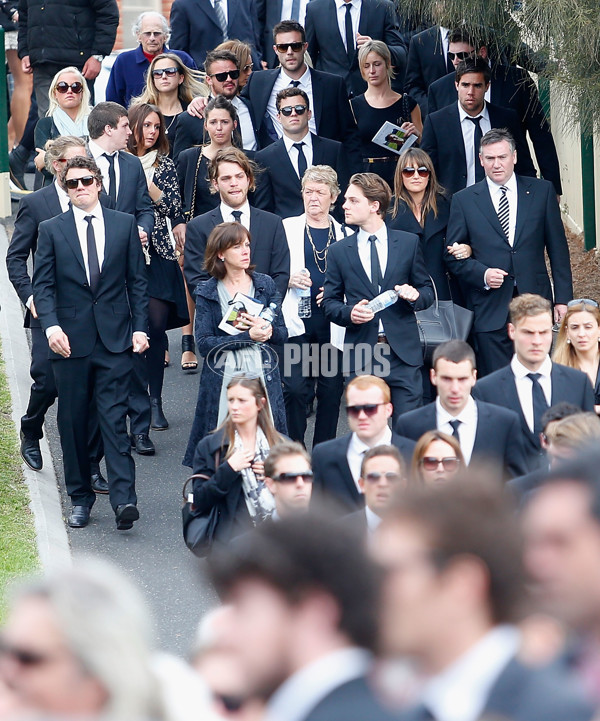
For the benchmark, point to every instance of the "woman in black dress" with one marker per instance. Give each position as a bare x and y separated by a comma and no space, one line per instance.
379,104
167,307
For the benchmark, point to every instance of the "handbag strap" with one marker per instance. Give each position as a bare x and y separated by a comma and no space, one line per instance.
203,476
193,203
435,293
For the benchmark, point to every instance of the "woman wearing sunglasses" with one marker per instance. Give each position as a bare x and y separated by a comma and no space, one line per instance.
578,342
167,307
437,459
379,104
67,115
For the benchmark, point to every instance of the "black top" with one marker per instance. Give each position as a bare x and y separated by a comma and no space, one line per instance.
319,238
171,122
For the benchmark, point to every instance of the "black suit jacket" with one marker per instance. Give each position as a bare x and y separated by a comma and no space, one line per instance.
511,88
351,701
278,187
443,140
269,250
133,196
346,283
269,14
378,20
539,227
497,438
568,384
62,294
332,477
425,65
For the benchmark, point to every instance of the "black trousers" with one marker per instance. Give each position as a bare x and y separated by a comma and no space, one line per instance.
107,375
493,350
139,400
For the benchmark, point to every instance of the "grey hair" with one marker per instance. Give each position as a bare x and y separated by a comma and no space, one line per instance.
56,148
107,627
322,174
497,135
137,25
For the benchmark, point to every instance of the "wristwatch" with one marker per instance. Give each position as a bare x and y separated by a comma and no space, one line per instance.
99,58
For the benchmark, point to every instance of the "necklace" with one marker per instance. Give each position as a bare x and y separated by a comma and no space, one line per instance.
171,123
320,255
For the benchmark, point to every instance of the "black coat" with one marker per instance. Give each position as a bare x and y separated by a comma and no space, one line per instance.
425,65
133,196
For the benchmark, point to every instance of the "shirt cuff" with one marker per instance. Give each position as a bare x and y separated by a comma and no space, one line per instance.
51,330
143,333
29,302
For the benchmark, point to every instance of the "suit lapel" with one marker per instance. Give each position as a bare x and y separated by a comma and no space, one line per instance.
209,11
524,199
52,201
332,21
482,426
285,162
109,243
342,462
318,96
72,238
355,262
393,259
505,695
486,207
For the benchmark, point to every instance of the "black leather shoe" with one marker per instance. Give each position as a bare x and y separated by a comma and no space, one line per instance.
159,422
99,483
17,161
142,444
80,517
30,453
125,515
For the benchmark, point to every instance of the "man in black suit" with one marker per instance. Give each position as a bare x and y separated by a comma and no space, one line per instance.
272,12
453,592
510,87
484,432
337,463
289,477
336,30
91,294
332,116
360,267
427,62
285,161
531,383
232,176
452,135
303,604
509,222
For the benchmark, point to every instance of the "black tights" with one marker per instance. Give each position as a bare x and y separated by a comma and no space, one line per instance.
158,316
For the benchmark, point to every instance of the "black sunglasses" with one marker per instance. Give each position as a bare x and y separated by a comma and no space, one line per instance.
450,463
369,409
582,301
22,655
306,476
462,55
409,172
389,476
63,87
287,111
169,72
222,77
72,183
283,47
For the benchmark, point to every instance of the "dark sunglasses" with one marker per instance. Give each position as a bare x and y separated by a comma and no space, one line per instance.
23,656
169,72
450,463
230,702
389,476
409,172
369,409
462,55
63,87
248,68
295,47
306,476
222,77
72,183
582,301
287,111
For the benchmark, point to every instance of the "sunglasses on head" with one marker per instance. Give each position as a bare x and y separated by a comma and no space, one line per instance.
63,87
369,409
169,72
389,476
306,476
582,301
287,111
222,77
295,47
408,172
431,464
72,183
22,655
462,55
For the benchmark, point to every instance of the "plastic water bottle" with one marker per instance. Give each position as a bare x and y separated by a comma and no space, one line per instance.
304,303
383,300
268,314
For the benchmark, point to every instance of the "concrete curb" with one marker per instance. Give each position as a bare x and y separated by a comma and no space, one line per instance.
51,534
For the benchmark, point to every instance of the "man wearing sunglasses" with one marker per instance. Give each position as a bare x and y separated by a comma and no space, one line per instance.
289,477
486,433
90,291
337,463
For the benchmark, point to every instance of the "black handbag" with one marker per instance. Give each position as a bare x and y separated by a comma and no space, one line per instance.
441,322
199,529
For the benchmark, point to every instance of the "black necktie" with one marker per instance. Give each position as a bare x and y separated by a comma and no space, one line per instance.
237,214
540,404
294,83
302,165
375,267
349,34
112,179
455,425
93,265
477,135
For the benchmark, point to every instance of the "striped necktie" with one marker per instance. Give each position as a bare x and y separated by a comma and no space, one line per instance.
504,212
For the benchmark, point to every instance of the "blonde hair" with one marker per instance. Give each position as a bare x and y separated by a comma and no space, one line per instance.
191,87
379,47
527,306
322,174
576,431
84,107
564,352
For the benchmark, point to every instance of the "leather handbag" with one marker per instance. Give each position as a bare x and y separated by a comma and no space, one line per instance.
199,529
444,320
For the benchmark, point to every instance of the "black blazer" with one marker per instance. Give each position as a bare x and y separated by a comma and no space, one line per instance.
497,438
62,294
269,250
425,65
269,14
512,88
346,283
378,20
443,140
473,220
350,701
568,384
332,477
278,187
133,196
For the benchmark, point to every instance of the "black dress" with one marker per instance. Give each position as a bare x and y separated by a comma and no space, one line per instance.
369,120
193,176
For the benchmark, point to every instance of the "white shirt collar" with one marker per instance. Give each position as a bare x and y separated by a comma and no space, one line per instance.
381,234
226,210
373,520
520,371
340,3
97,151
511,184
462,114
289,142
63,196
80,215
359,447
467,415
304,79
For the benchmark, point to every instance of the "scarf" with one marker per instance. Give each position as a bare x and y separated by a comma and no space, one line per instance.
259,500
147,162
66,126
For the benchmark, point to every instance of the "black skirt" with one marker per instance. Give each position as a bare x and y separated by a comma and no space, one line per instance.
165,282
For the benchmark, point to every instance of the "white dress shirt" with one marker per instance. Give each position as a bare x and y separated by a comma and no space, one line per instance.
246,127
294,152
460,692
444,42
357,449
373,520
467,429
468,133
284,81
286,10
525,386
226,212
102,163
364,249
341,17
513,199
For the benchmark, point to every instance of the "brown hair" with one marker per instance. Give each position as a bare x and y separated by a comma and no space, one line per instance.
455,351
416,158
528,305
291,93
377,452
80,161
57,147
213,56
231,155
374,188
575,431
135,143
221,238
285,448
423,443
364,382
564,352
